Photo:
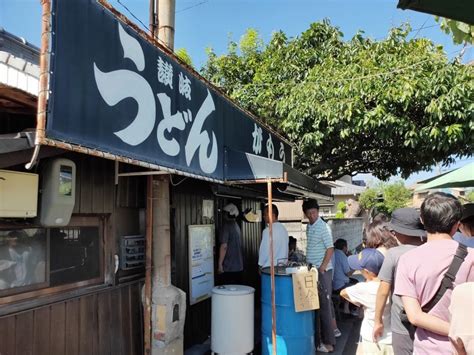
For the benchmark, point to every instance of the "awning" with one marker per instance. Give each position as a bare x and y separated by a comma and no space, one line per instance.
460,10
461,177
245,168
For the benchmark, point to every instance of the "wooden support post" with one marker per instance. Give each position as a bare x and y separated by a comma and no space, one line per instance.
148,264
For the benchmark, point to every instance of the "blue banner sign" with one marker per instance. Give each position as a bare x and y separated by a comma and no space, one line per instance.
114,91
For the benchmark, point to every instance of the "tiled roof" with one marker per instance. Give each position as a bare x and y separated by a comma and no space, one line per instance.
18,73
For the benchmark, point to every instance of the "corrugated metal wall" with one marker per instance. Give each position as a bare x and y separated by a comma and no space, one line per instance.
186,209
251,236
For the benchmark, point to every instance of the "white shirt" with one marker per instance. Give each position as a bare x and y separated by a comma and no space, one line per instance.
365,293
280,245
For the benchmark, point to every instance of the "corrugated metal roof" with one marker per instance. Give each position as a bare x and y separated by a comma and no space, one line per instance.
19,47
343,188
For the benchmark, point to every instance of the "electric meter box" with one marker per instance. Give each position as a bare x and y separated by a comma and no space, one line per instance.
58,193
18,194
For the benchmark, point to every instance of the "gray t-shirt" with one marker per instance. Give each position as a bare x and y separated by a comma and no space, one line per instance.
387,274
230,234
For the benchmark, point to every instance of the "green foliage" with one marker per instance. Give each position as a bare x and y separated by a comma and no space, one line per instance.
341,208
250,42
368,198
386,197
395,196
470,196
387,107
461,32
183,54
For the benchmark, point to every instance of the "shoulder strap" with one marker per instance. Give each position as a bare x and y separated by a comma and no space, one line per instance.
449,277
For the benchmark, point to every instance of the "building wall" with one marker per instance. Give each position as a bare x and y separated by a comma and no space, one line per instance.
350,229
108,322
99,318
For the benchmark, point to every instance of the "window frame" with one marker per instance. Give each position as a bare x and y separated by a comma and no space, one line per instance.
43,289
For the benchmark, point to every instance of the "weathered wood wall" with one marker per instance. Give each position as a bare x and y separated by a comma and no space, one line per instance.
107,322
95,189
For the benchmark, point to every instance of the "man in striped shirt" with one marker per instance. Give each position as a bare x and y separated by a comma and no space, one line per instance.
319,251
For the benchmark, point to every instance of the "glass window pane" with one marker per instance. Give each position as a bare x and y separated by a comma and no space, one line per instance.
65,180
75,254
22,257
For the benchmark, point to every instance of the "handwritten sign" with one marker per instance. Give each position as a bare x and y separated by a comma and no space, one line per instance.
305,290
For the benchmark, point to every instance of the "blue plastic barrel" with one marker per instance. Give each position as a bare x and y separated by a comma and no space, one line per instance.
294,330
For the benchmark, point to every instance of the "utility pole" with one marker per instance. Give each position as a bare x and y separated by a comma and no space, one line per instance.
166,16
168,303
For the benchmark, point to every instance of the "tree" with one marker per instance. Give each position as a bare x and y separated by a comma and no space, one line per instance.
470,196
461,32
385,197
386,107
183,54
341,208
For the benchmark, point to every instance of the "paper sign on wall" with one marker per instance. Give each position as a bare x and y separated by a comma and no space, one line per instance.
201,262
305,290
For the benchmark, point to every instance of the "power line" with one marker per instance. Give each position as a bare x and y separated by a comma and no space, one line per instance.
422,27
133,15
192,6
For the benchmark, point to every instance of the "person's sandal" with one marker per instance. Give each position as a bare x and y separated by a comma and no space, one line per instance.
322,349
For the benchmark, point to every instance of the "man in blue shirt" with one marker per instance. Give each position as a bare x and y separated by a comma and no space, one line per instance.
342,271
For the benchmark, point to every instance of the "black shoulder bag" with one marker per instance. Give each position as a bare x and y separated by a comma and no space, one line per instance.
446,284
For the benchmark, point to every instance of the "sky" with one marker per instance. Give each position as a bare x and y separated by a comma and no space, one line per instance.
201,24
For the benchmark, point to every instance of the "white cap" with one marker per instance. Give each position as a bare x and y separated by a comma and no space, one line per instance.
231,209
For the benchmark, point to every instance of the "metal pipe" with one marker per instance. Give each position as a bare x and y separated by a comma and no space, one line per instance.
272,267
43,81
152,18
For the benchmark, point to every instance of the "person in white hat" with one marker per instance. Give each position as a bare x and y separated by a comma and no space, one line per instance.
230,266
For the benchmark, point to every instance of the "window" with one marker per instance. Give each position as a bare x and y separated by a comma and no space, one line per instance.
22,258
37,258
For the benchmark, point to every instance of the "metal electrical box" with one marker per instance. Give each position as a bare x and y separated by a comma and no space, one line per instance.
132,252
18,194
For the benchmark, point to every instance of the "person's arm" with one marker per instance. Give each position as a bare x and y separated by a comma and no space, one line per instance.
329,245
345,264
344,295
383,293
264,250
327,259
223,239
418,318
222,253
355,294
458,346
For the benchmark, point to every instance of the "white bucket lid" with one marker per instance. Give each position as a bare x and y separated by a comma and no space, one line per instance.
233,290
